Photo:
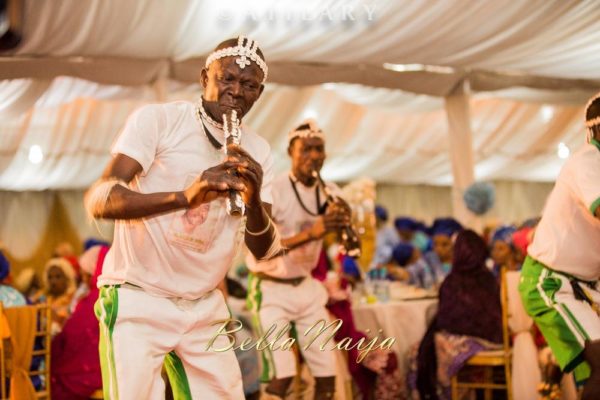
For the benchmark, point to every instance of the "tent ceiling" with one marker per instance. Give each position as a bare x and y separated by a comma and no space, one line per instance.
311,42
532,65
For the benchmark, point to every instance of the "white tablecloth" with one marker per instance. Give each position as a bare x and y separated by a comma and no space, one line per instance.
403,320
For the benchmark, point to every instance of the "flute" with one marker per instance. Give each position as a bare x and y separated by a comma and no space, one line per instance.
233,135
347,236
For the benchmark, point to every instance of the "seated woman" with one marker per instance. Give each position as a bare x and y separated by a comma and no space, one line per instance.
440,257
503,252
412,232
412,267
468,320
75,361
59,286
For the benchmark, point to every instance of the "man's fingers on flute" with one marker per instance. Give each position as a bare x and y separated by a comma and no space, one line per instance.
236,150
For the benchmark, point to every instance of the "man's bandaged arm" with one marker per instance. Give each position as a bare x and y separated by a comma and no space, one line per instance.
110,197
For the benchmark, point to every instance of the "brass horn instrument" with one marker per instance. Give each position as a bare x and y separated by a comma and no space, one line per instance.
233,135
348,237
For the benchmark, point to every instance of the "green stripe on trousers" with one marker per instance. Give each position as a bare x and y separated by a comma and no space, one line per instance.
560,328
106,309
253,302
177,377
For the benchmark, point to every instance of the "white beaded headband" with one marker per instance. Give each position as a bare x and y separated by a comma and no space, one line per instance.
245,52
591,123
312,131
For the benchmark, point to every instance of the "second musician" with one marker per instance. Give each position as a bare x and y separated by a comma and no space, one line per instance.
282,290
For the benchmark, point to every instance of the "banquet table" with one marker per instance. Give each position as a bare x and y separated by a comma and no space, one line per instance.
404,320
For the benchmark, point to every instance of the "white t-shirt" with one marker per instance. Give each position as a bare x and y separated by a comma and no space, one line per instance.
291,219
567,238
184,253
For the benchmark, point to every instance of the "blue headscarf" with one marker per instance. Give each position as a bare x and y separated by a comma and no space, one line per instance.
4,266
402,253
504,234
445,226
91,242
381,213
405,223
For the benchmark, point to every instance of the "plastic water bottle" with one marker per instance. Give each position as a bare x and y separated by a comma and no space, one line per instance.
382,287
370,288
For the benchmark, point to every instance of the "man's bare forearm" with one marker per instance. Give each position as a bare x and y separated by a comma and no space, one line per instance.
299,239
123,203
257,220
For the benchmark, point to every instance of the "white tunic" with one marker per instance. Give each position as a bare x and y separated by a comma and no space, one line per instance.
291,219
184,253
567,238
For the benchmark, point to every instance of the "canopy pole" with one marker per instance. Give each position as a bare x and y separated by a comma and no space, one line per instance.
161,85
460,137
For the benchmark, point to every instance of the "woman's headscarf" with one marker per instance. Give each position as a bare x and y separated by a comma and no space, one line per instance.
402,253
4,266
445,226
405,223
66,268
381,213
504,234
522,239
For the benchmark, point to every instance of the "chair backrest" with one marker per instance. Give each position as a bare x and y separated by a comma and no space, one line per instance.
504,304
37,332
4,344
43,336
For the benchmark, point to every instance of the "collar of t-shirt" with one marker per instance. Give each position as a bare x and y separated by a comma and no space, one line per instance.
595,143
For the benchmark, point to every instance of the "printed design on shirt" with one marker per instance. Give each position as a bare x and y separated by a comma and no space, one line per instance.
305,253
197,228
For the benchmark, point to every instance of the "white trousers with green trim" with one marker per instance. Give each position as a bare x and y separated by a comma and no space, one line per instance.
277,305
566,322
140,332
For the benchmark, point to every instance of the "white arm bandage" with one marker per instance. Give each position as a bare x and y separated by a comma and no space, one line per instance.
97,196
276,246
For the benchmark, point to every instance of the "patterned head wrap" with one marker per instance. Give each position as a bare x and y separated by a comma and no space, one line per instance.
306,129
592,116
246,51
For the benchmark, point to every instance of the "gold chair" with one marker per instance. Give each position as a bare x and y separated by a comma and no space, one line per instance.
489,360
43,330
26,324
5,350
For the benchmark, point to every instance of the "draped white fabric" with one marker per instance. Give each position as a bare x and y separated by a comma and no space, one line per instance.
400,138
24,217
390,135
